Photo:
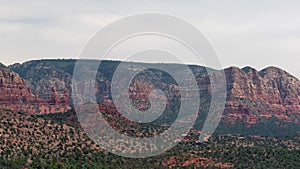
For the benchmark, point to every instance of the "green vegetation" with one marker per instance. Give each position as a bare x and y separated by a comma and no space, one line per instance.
248,153
28,141
264,127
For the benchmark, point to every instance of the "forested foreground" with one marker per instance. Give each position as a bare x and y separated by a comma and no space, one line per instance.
35,142
237,157
220,152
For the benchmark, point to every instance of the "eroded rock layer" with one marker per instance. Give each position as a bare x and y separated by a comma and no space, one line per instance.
16,96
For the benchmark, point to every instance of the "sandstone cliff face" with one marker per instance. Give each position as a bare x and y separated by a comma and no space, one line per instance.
16,96
271,85
42,77
13,88
285,84
49,80
252,95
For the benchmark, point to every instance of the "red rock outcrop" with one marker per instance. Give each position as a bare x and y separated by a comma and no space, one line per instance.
65,98
54,98
15,96
254,94
251,95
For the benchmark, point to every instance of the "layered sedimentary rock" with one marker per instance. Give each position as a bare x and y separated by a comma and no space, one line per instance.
50,80
251,95
16,96
254,94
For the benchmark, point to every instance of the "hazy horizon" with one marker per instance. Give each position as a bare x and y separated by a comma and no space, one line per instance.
257,33
151,62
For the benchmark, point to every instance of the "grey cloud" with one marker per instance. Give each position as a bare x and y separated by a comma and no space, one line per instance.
257,33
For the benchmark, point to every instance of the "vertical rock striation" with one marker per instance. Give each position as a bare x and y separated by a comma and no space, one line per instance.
16,96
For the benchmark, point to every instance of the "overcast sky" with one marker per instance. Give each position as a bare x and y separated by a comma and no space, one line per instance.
256,33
